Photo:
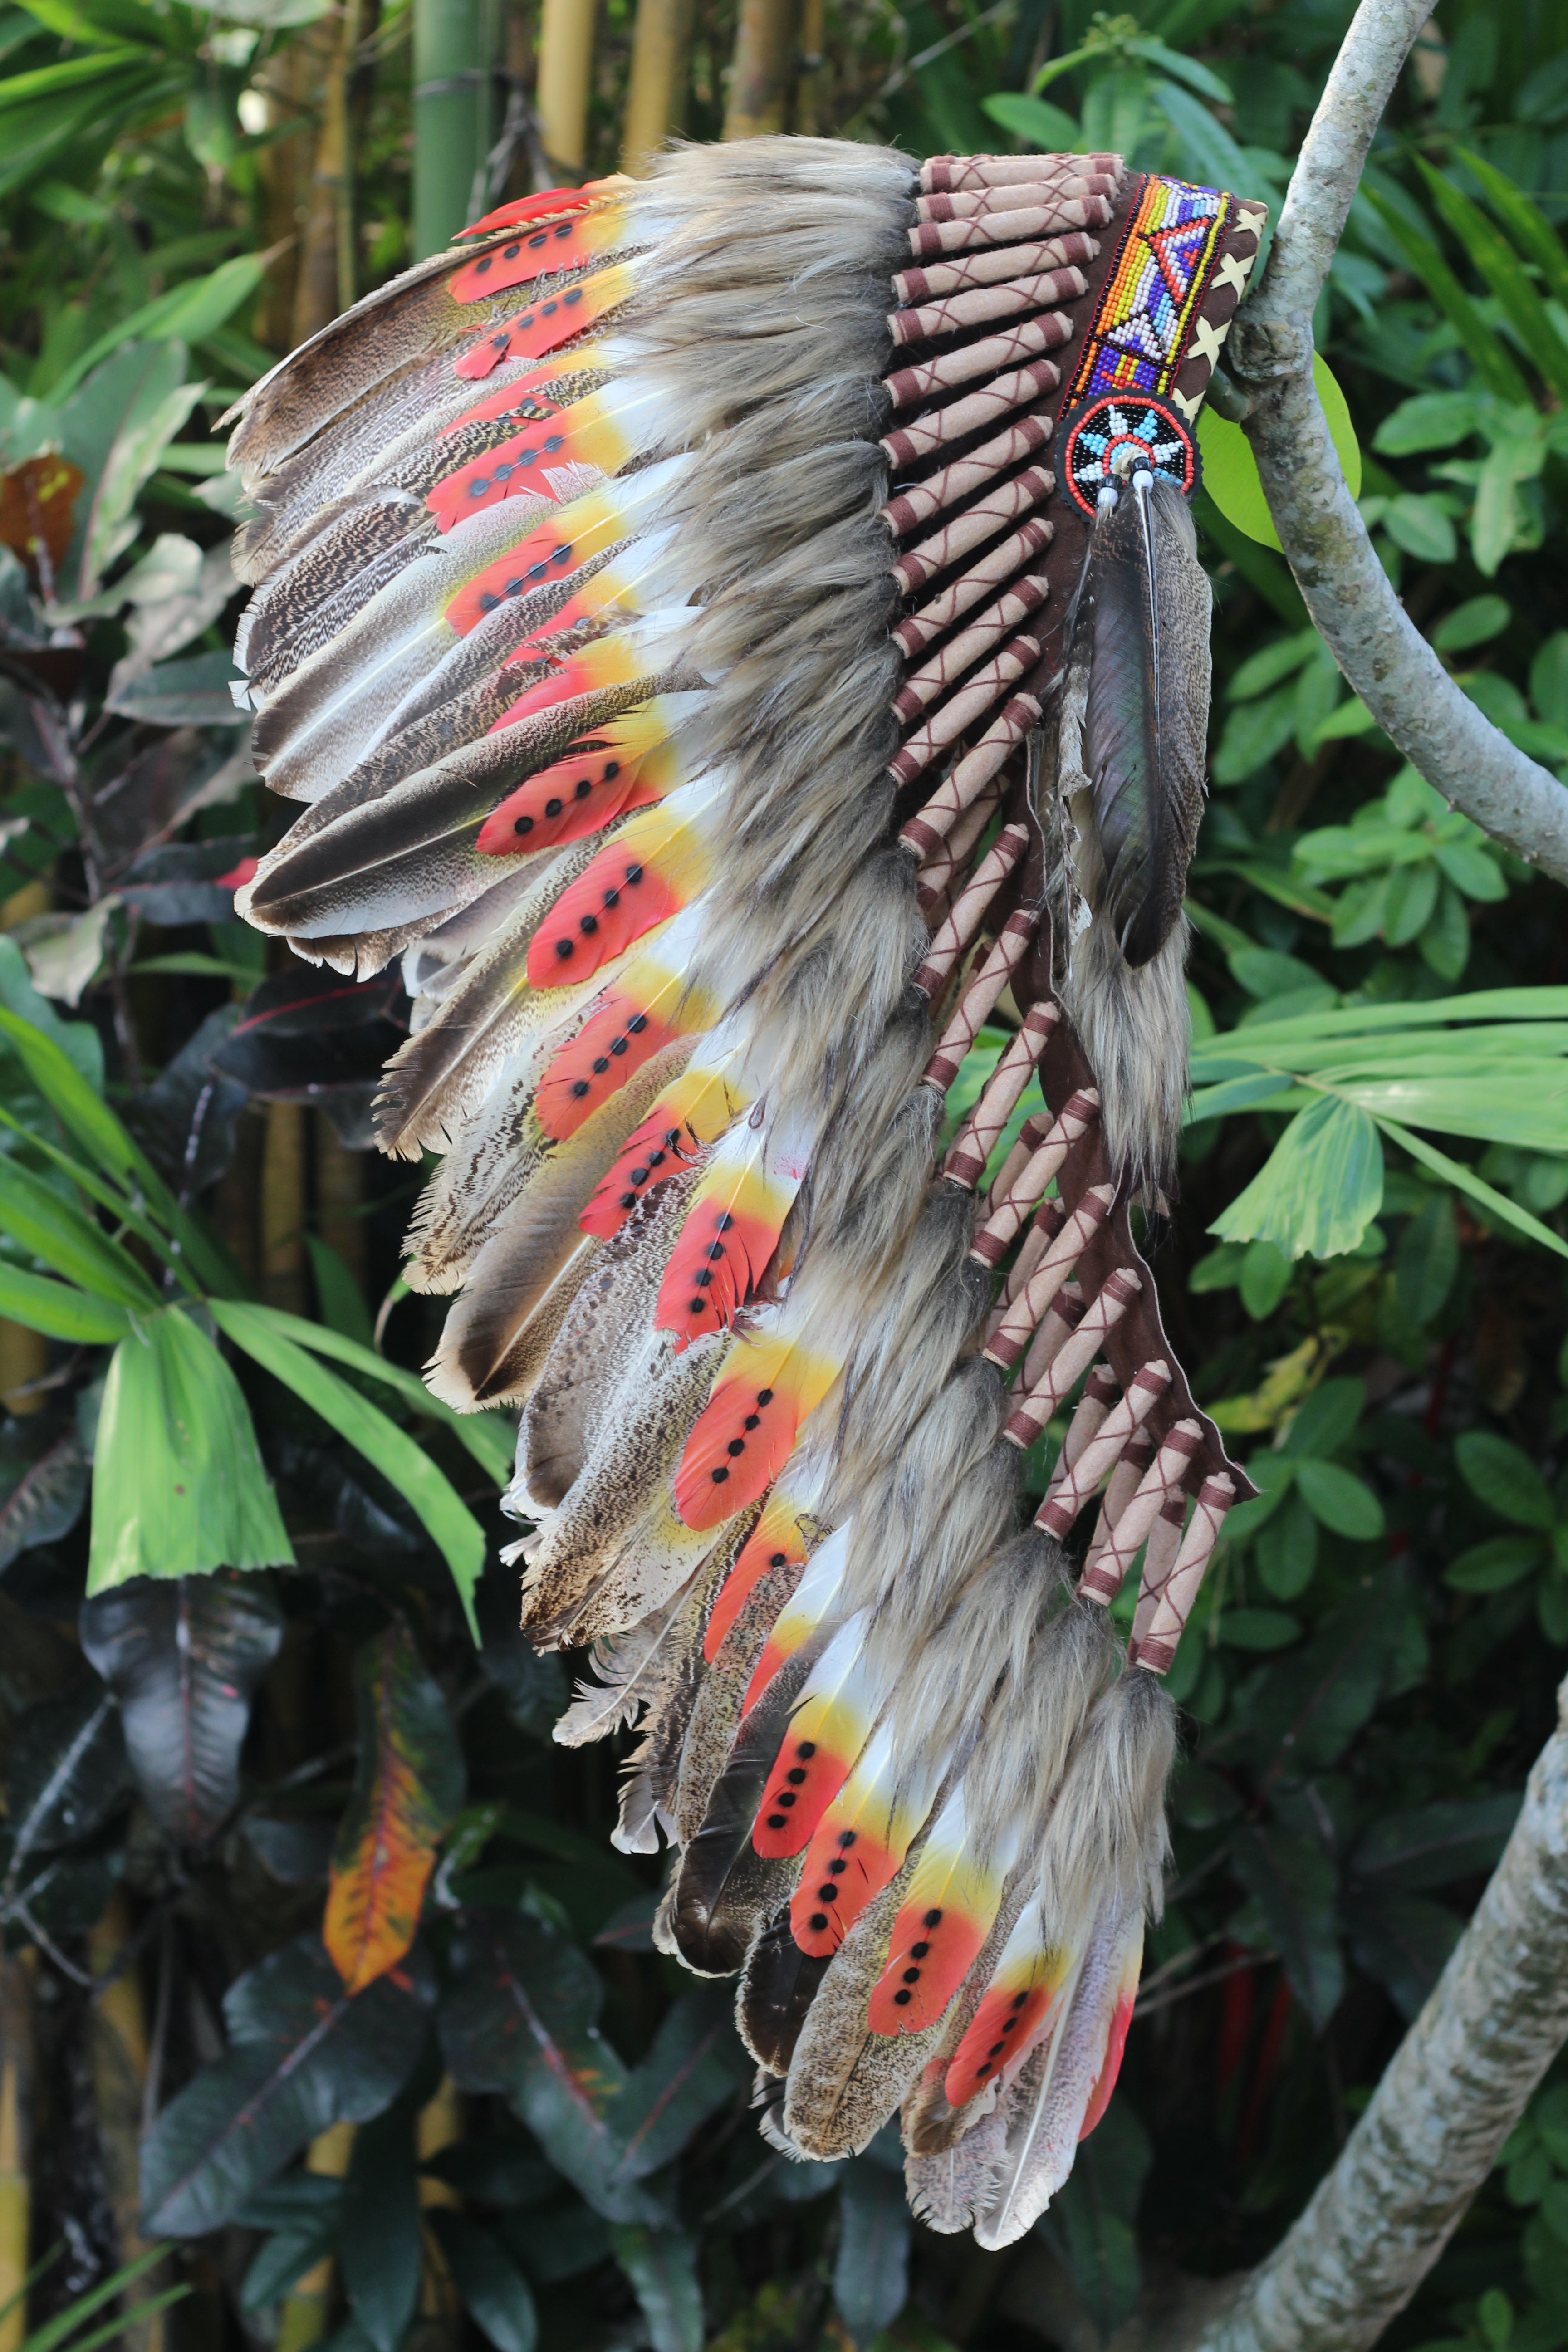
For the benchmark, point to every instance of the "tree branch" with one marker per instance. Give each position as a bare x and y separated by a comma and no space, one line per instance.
1455,2089
1347,594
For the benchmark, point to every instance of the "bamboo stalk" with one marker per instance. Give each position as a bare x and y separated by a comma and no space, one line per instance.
292,87
325,282
16,1971
302,2319
117,2055
452,94
655,96
283,1208
339,1197
763,70
811,90
440,2123
565,68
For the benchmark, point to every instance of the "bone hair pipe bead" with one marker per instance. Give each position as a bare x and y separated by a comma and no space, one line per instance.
998,564
973,527
1025,1143
999,225
1033,1410
951,854
1065,1312
1014,604
1110,1303
1134,1522
969,907
982,1130
990,265
1121,1486
1159,1558
978,1000
1031,338
907,445
914,508
1033,196
952,717
1158,1648
928,322
1094,1408
1050,1219
941,174
1025,1183
1075,1483
1008,1342
971,775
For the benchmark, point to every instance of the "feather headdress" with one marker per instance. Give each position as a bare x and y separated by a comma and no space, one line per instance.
732,637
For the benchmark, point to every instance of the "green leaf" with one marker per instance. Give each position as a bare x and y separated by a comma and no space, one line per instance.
1505,1478
1286,1550
1501,1209
341,1299
79,1041
1430,1845
871,2270
1428,1260
1474,623
1230,470
1256,1629
662,2267
1408,903
1498,264
1528,226
35,1217
1340,1500
1445,944
1303,1712
496,2295
1469,869
1422,527
179,1487
445,1519
1319,1190
48,81
1402,1940
1493,1566
1280,660
1265,1275
302,2056
1253,733
490,1437
1291,1882
186,313
689,2073
1494,366
1096,2209
379,2242
1033,120
1429,420
55,1309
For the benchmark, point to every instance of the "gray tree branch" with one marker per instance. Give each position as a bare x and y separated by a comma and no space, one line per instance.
1456,2087
1347,592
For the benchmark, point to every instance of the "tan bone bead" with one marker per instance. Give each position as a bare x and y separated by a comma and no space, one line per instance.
925,832
1050,1219
1100,1395
987,266
974,526
1120,1488
907,445
1110,1303
1025,1143
950,854
1022,196
1011,1206
939,239
1159,1558
978,1000
943,173
1157,1650
1031,338
970,906
1010,1338
983,1129
956,482
1031,1413
1023,597
1109,1559
970,701
1067,1311
1075,1482
928,321
998,563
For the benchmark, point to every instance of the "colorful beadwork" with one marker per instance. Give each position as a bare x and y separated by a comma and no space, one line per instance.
1110,436
1151,296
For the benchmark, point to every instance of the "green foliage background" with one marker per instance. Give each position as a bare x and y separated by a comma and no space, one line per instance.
224,1511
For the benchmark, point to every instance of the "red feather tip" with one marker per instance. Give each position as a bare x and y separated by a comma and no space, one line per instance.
618,900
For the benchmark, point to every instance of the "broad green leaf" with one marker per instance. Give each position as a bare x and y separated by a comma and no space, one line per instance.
871,2271
1498,264
1505,1478
341,1299
1493,1566
183,1658
1489,355
179,1487
1303,1712
46,81
1286,1552
689,2071
1291,1882
1340,1500
1096,2211
1469,869
447,1520
302,2056
490,1437
187,313
1275,662
1326,1421
1431,1845
1408,903
1429,420
495,2293
79,1041
1320,1189
35,1217
1474,623
1266,1274
1403,1940
1500,1209
1253,733
1034,119
57,1310
662,2267
379,2242
1230,469
1256,1629
1208,152
1422,527
1429,1259
408,1784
